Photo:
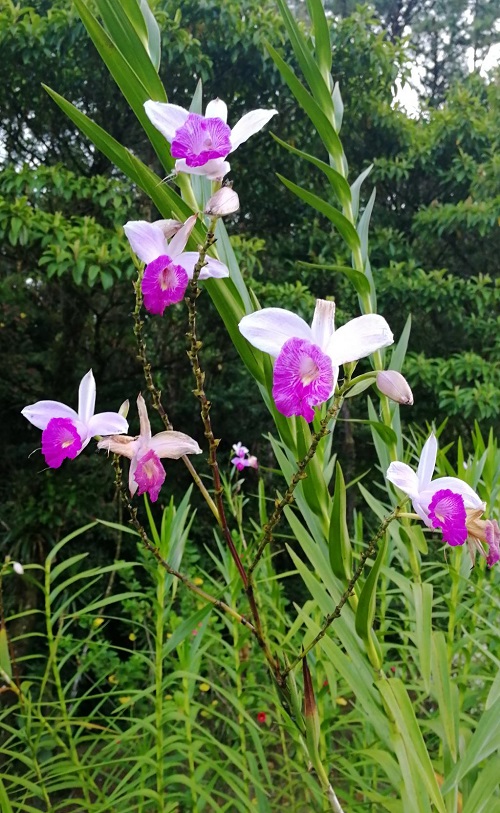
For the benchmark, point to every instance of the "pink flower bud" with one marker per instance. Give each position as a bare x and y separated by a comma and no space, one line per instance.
223,203
395,386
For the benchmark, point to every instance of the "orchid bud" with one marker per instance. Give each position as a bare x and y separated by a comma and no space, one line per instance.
224,202
18,568
395,386
311,717
123,411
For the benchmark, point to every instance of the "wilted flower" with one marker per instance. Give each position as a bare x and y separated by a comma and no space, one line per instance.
144,451
447,503
224,202
308,358
168,267
201,143
66,432
395,386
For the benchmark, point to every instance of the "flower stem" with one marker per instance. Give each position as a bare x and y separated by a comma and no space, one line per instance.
155,393
349,591
299,475
217,603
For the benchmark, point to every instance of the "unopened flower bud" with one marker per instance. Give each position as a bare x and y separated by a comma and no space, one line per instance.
123,411
311,717
18,568
395,386
223,203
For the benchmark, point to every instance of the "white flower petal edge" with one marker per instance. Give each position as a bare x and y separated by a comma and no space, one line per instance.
248,125
404,478
42,412
213,268
216,109
323,323
173,444
86,397
359,338
270,328
178,242
214,169
167,118
106,423
147,240
427,462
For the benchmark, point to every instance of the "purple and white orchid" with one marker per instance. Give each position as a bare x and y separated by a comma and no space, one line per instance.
447,503
202,143
144,452
168,267
65,433
308,357
242,459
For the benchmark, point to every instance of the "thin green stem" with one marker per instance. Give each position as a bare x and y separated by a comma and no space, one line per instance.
160,615
365,555
300,474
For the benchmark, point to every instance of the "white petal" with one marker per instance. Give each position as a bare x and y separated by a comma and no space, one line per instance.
213,268
215,169
107,423
250,124
123,445
323,324
86,397
471,499
359,338
167,118
146,239
145,426
269,329
178,243
42,412
173,444
169,227
403,477
427,462
132,484
216,109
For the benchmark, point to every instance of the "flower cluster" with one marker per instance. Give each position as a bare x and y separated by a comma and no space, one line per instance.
242,458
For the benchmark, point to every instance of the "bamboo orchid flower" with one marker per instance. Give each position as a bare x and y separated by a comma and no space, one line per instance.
144,451
447,503
308,358
242,458
202,143
168,267
65,433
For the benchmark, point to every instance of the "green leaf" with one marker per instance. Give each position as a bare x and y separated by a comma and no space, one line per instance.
5,805
5,663
363,226
484,741
355,189
422,596
479,799
325,128
339,543
385,432
305,58
359,280
341,223
321,34
445,691
337,181
399,350
401,709
365,612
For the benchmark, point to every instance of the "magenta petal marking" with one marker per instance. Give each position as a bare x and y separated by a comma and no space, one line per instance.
150,475
60,440
200,140
163,284
303,378
239,462
447,512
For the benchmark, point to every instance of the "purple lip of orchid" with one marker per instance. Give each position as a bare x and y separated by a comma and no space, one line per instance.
201,143
447,512
308,357
65,433
146,474
168,267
